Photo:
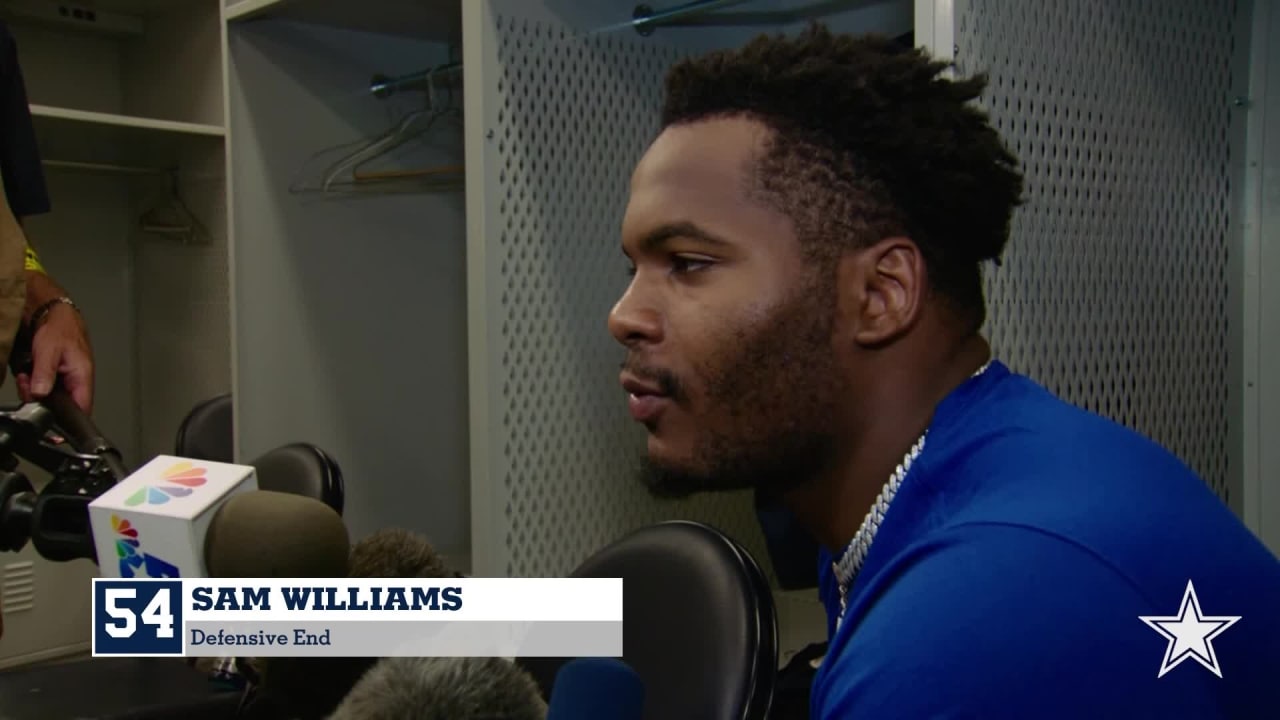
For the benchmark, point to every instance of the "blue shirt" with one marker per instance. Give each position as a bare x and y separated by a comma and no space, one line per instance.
1013,566
20,166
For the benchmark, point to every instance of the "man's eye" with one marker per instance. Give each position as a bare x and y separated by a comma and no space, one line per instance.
684,264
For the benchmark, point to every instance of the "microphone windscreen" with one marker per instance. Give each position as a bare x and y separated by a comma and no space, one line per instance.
596,688
267,534
465,688
397,553
310,688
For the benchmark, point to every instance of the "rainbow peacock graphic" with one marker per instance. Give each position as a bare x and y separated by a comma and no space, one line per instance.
132,559
179,480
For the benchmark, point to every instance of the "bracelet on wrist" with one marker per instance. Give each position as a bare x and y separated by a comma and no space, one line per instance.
45,308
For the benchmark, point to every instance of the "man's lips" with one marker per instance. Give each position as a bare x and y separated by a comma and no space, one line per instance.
645,399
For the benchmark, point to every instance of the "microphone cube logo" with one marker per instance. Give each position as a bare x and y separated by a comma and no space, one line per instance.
132,557
138,618
152,523
178,480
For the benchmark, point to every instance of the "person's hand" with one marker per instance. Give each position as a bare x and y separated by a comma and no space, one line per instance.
60,348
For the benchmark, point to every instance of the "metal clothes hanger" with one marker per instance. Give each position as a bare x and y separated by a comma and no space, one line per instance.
173,218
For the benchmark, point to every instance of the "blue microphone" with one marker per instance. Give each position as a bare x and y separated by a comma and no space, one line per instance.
596,689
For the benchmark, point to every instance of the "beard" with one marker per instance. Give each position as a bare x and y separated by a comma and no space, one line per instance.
771,396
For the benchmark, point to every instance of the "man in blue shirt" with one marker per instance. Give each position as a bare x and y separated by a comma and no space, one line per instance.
806,235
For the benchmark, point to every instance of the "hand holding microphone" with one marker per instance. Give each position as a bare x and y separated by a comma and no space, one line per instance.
71,415
56,519
161,521
54,348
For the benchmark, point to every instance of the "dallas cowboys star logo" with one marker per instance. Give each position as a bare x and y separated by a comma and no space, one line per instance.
1190,634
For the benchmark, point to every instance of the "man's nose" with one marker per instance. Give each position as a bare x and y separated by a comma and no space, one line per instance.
634,320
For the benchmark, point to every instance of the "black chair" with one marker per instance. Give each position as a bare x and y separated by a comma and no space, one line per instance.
699,623
207,433
302,469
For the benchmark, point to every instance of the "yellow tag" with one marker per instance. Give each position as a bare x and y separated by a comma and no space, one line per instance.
33,260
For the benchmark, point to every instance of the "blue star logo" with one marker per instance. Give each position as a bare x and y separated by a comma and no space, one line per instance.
1190,634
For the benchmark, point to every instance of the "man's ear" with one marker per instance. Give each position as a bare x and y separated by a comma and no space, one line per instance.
881,289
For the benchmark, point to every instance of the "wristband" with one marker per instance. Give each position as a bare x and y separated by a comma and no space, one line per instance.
32,261
41,312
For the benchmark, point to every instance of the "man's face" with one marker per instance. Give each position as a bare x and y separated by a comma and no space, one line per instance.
728,327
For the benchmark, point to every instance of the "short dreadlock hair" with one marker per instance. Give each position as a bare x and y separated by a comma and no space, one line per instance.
870,140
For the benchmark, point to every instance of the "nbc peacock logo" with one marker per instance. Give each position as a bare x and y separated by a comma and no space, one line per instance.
131,556
178,480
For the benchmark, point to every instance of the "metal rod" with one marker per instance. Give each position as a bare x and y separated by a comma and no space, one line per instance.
103,168
382,85
644,19
695,14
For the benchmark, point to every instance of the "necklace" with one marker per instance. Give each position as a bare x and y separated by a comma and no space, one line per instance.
856,551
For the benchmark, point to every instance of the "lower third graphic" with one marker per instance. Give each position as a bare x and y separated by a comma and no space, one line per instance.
1190,633
137,617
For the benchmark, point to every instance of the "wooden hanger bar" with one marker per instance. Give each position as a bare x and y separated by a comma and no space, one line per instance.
376,175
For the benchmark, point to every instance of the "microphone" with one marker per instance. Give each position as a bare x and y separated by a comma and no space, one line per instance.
396,553
429,688
154,522
268,534
597,689
311,688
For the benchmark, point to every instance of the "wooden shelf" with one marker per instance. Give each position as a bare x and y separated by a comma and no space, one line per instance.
82,136
433,20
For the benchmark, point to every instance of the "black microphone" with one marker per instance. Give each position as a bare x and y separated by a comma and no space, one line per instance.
453,688
597,689
310,688
81,432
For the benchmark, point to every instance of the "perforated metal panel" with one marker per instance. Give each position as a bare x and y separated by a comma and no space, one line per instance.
572,117
1114,291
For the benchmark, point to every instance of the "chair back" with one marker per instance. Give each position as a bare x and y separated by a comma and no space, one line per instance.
700,624
206,433
302,469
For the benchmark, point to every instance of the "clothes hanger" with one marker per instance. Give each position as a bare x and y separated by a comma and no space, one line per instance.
173,217
406,130
414,125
